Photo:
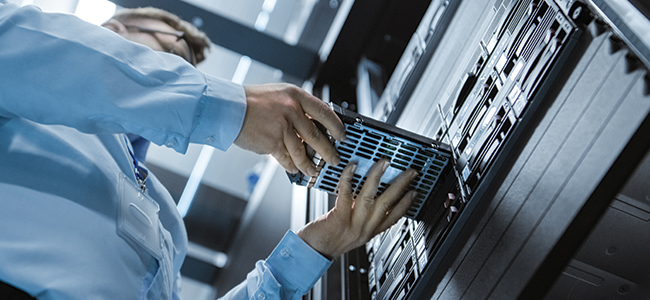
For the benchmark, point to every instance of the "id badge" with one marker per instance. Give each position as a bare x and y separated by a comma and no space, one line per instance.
138,218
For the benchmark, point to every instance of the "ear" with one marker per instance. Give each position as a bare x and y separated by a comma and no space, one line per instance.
115,26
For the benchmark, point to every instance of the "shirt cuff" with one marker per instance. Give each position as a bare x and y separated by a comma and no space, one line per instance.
294,263
222,114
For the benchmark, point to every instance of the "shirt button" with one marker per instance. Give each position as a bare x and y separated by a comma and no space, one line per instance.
171,143
210,140
261,296
285,252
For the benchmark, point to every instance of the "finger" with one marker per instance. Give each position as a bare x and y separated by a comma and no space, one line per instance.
297,154
389,198
366,199
345,193
316,139
397,212
321,112
284,159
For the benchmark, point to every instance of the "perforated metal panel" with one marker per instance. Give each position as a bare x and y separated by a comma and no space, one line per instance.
367,142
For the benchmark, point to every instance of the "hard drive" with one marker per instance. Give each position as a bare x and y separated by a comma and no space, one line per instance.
368,141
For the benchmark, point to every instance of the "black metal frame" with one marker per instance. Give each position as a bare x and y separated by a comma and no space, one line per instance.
432,45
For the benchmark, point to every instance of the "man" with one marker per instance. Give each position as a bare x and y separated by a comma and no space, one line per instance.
82,218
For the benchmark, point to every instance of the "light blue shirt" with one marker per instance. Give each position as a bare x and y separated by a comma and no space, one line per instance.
75,224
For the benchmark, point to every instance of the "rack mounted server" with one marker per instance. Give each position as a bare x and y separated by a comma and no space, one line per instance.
523,102
509,70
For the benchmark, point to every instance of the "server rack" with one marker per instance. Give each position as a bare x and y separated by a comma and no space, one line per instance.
544,105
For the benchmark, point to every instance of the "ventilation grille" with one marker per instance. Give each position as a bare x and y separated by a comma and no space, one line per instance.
365,145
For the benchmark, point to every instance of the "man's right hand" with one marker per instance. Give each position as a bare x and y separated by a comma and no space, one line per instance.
278,119
355,220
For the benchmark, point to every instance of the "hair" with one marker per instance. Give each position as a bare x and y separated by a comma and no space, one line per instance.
196,39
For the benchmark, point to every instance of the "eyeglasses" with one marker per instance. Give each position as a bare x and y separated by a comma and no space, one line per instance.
169,47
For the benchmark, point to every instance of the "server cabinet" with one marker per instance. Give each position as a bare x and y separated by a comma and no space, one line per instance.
544,106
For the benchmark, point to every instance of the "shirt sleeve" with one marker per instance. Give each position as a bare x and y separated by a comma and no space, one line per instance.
288,273
58,69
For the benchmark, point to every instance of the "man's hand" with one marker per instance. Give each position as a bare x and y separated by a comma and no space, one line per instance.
353,222
278,120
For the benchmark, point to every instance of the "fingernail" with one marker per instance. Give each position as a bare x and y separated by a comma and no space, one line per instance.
385,166
337,160
312,171
414,175
353,168
413,196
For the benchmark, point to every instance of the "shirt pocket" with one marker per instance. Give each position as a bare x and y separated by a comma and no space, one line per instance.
138,222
